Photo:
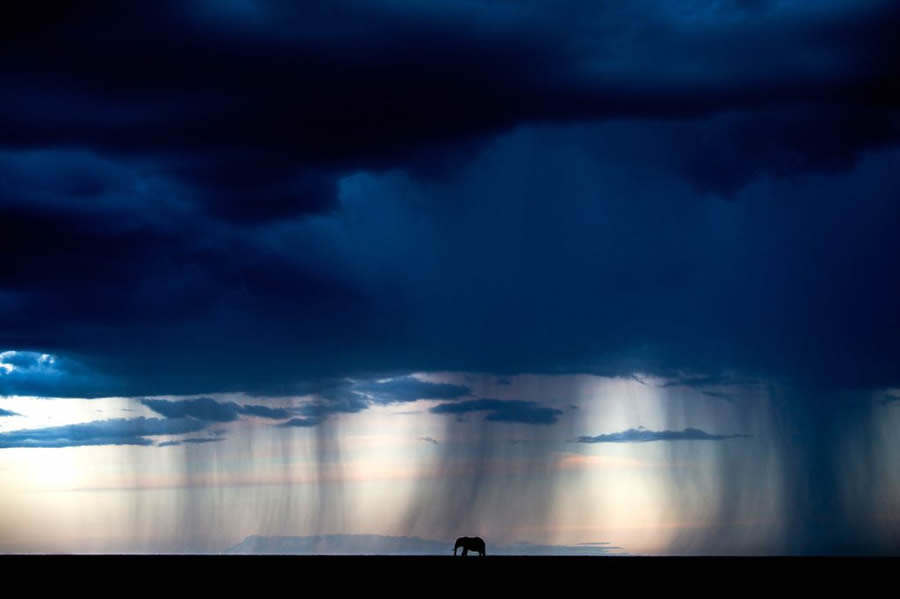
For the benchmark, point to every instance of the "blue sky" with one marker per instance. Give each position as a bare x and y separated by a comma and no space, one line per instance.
345,211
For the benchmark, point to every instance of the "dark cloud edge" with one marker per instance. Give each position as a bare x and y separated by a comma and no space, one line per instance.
642,435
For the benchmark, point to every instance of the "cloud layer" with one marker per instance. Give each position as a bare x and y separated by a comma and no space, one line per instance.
206,408
498,410
134,431
642,435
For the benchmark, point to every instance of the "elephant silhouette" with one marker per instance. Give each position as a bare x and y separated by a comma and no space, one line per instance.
475,544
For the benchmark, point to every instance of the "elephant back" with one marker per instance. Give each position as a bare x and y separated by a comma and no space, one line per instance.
470,544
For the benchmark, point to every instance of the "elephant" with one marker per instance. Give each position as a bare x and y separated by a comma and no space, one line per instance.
469,543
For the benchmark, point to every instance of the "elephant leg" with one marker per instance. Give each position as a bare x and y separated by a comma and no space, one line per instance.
465,551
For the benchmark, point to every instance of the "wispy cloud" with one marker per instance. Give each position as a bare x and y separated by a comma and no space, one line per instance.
499,410
264,412
341,400
409,388
643,435
427,440
206,408
7,413
203,408
301,423
711,380
720,395
192,440
102,432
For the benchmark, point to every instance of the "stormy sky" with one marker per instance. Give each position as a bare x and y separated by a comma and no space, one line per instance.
522,244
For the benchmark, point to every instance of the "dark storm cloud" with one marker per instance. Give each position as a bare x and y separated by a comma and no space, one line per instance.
642,435
181,191
527,412
259,129
684,283
247,188
728,151
205,408
338,84
102,432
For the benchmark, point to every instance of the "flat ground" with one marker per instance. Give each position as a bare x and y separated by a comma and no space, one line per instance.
257,576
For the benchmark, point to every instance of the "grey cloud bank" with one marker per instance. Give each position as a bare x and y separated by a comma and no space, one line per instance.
387,545
642,435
